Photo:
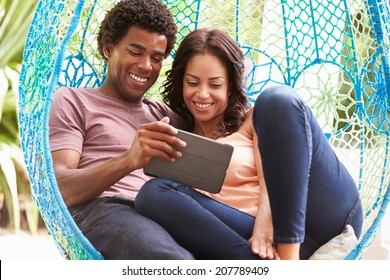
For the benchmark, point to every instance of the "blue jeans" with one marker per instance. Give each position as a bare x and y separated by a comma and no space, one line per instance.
312,195
207,228
118,232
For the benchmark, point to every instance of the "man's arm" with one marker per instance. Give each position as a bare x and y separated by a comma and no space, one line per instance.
79,185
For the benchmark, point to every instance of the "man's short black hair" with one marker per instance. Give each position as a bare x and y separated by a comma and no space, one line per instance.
152,15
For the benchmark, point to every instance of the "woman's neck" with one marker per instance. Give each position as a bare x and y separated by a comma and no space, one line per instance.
207,130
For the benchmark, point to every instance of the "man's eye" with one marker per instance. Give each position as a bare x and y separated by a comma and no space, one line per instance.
157,59
134,53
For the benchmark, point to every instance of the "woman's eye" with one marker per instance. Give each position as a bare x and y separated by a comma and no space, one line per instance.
192,83
216,85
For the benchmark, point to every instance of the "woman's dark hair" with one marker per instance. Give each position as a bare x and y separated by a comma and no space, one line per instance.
220,44
152,15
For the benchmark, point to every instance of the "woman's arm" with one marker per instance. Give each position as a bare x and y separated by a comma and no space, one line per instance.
262,235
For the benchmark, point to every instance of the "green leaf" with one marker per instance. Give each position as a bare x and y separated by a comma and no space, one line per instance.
8,168
3,90
15,19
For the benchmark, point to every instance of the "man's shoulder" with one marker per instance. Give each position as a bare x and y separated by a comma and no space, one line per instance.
156,105
75,95
74,91
149,101
160,110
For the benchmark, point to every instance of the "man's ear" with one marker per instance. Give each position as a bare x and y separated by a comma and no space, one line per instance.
107,52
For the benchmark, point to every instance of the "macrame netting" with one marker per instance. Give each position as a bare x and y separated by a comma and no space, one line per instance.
335,53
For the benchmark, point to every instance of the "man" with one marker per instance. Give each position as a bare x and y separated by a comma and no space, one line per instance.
102,138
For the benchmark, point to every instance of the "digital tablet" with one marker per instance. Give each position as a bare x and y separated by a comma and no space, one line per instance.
203,163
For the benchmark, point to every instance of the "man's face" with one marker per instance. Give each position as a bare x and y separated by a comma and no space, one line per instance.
134,64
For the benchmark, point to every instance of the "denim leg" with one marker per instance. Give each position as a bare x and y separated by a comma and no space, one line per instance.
202,225
117,231
311,193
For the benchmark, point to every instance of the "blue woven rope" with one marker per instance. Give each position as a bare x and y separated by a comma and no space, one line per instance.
237,14
49,166
367,238
378,8
87,23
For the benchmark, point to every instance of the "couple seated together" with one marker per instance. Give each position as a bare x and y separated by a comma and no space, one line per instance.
285,193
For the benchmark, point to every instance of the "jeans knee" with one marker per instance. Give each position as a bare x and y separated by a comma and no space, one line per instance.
274,101
152,193
276,97
146,195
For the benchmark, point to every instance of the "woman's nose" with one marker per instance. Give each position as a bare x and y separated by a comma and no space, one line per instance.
203,93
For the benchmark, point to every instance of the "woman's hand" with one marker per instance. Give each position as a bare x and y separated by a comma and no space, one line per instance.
263,246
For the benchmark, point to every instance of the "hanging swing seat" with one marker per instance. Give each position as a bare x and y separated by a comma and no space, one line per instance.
334,53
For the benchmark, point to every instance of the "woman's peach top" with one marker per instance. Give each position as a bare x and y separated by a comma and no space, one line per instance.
241,186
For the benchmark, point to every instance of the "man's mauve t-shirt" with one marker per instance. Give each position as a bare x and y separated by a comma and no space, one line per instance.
99,128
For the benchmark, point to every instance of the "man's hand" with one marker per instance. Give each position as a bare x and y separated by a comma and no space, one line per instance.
156,139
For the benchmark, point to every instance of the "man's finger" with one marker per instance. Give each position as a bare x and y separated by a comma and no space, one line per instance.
165,119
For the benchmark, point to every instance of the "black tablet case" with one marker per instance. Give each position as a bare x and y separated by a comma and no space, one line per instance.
203,164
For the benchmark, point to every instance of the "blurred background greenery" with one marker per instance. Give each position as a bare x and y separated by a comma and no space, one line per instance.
17,210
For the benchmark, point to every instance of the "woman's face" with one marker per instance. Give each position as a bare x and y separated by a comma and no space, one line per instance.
205,89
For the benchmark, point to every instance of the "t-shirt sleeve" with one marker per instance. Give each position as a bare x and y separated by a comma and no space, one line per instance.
176,120
66,122
164,111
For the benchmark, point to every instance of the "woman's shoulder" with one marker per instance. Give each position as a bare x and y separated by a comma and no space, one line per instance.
246,128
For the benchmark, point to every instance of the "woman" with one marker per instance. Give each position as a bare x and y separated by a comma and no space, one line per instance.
311,194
